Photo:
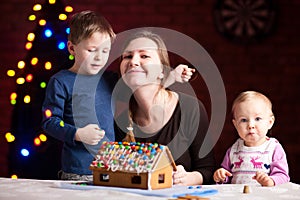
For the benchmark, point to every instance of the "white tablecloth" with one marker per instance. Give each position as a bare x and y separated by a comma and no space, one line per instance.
23,189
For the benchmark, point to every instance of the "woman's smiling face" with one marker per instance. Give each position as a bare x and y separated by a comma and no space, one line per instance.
141,64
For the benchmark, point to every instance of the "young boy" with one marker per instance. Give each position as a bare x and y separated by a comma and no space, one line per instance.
77,109
254,157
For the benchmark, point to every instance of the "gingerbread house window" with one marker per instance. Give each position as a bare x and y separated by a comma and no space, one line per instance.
161,178
104,177
136,180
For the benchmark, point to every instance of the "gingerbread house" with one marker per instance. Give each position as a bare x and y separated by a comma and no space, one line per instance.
133,165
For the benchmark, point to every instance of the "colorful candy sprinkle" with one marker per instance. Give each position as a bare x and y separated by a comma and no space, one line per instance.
123,155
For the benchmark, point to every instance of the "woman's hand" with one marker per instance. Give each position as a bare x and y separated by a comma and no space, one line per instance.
183,73
182,177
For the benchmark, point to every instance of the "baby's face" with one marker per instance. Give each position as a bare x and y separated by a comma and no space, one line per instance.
252,120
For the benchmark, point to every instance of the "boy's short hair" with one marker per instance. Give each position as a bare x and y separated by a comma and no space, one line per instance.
85,23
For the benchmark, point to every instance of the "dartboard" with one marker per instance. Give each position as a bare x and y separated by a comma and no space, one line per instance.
245,21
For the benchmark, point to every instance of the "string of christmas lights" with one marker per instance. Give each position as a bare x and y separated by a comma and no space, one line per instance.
46,54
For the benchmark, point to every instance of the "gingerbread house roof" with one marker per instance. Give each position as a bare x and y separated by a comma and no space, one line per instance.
133,157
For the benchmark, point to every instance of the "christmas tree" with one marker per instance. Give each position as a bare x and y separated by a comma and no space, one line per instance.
32,154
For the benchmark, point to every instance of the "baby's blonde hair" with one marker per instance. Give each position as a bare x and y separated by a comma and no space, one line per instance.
248,95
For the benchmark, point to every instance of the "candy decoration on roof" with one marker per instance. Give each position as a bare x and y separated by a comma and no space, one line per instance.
130,157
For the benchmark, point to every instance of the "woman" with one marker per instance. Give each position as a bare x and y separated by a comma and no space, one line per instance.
159,115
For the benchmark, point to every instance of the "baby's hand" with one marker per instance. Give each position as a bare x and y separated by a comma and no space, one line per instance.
90,134
263,179
183,73
221,174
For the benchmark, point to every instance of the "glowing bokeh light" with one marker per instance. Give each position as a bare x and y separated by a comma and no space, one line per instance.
20,80
11,73
52,1
71,57
29,77
48,113
30,37
28,45
37,7
48,33
21,64
68,30
9,137
62,123
43,85
31,17
24,152
27,99
13,96
13,102
48,65
43,137
68,9
42,22
62,17
37,141
14,176
61,45
34,61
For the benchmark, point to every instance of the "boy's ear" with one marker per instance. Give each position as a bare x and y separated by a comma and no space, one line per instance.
71,48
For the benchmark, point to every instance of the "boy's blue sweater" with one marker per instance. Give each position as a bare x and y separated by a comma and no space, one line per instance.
76,101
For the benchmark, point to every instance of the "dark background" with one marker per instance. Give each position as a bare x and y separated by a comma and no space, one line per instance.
267,63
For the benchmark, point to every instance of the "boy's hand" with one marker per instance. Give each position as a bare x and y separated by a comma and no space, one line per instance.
221,174
90,134
263,179
183,73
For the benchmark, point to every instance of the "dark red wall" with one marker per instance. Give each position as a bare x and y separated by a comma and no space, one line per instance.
270,66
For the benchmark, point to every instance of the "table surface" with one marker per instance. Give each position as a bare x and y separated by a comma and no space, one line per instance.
23,189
